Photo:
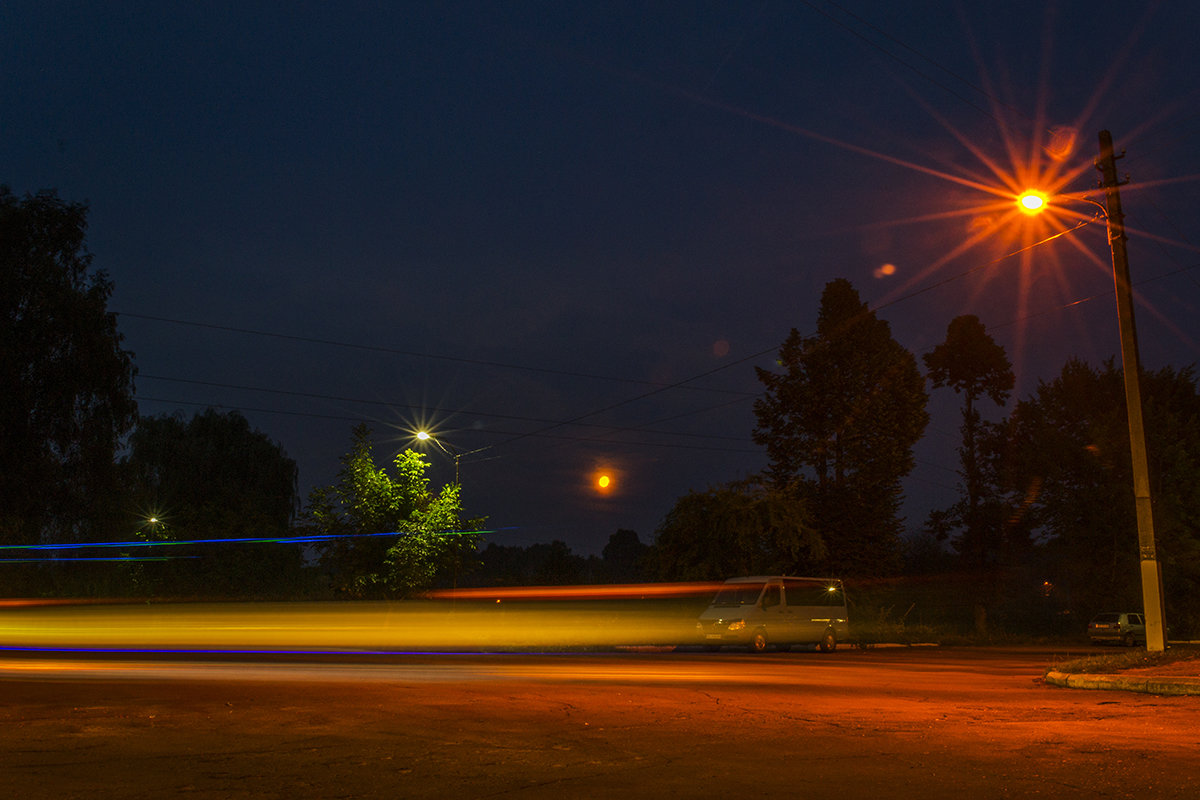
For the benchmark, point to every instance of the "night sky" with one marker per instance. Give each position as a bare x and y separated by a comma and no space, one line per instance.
562,235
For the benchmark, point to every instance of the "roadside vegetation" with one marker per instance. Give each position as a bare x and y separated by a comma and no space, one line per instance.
1130,659
97,500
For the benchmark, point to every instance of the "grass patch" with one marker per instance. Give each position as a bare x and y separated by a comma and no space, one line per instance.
893,633
1132,659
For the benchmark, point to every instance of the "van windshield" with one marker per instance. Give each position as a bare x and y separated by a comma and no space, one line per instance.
738,594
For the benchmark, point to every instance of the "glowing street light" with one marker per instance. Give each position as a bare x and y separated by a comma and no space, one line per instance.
1033,202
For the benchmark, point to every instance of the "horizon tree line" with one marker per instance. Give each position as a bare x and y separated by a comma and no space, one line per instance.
1041,489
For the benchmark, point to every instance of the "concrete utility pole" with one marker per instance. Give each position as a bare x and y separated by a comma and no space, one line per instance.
1152,595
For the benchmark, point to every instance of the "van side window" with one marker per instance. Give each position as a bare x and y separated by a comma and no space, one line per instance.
771,597
810,593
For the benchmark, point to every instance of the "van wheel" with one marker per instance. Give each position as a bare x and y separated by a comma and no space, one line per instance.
1129,640
758,642
828,642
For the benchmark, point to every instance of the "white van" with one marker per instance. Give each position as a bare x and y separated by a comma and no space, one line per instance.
762,611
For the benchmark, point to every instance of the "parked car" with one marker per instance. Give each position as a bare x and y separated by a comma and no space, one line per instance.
1118,627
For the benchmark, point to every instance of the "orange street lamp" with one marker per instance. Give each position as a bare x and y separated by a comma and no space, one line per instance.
1151,571
1032,201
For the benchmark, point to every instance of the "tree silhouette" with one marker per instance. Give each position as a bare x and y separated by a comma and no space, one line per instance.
213,477
66,384
840,423
973,365
736,529
1068,454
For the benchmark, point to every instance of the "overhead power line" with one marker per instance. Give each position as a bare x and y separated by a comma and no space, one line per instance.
409,353
393,405
495,432
577,421
885,51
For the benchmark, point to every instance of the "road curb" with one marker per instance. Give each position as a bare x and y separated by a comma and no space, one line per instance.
1126,683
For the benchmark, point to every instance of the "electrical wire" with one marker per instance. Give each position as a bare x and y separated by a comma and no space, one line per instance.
511,434
401,352
549,426
875,45
394,405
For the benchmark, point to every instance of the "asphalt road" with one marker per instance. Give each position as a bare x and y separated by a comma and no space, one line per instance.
901,723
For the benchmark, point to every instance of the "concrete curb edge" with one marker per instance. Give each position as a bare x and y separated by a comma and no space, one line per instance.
1127,683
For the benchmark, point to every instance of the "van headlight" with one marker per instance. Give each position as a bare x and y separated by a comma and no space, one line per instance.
737,625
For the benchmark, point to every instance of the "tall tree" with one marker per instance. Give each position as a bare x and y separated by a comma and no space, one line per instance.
66,384
973,365
840,421
737,529
1065,458
390,535
214,477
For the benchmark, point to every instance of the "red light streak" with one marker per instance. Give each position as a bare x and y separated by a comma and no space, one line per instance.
598,592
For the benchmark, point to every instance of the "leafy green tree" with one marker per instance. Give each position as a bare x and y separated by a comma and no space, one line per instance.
973,365
1065,461
213,477
737,529
67,385
390,536
840,422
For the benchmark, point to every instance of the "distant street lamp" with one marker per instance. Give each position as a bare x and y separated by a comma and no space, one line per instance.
1033,202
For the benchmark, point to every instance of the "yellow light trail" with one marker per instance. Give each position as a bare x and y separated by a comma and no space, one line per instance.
414,625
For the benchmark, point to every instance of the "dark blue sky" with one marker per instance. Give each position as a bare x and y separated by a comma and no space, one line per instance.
496,218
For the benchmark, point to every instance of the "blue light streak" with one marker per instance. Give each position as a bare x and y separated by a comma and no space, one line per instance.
58,559
248,540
